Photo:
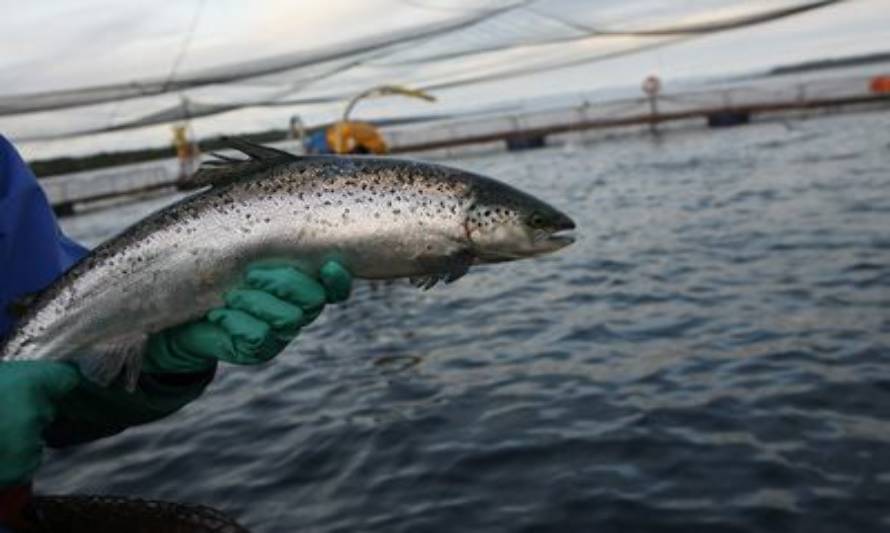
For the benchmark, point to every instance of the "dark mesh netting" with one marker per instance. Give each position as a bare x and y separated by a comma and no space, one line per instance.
111,514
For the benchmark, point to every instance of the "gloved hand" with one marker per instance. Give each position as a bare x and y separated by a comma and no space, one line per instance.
30,390
256,323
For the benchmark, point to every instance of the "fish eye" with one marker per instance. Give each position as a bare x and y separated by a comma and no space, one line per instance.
537,221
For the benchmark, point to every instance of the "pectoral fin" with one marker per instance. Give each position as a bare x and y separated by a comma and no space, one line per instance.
448,268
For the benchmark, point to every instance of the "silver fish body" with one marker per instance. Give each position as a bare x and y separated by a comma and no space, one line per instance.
381,218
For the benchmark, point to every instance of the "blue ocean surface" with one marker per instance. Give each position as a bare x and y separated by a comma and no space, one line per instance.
713,354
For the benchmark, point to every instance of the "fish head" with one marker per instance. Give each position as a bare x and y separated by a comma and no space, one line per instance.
504,224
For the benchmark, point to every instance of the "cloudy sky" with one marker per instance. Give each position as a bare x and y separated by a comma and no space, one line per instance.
58,44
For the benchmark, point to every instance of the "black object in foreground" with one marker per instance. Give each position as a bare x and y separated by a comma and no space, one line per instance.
91,514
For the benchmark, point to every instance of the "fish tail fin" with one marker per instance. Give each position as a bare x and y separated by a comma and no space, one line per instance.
120,359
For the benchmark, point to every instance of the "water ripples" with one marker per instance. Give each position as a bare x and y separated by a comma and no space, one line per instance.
709,356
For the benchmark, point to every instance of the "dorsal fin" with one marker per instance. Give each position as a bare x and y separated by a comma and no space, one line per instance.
225,169
257,152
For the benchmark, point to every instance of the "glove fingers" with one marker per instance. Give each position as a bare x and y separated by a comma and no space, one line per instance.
336,280
188,348
252,339
283,316
290,285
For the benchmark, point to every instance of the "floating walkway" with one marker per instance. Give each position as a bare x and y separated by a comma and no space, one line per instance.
715,108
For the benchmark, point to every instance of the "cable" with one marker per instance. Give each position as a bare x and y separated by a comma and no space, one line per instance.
67,98
185,45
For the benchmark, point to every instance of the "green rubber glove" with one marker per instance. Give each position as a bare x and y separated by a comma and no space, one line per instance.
30,390
258,320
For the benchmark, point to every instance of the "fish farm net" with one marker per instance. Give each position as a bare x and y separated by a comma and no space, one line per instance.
111,514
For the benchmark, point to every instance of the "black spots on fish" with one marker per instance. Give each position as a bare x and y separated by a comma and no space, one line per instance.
267,220
247,216
327,202
396,211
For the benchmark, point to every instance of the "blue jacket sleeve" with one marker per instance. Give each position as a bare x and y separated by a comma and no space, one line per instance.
33,253
33,250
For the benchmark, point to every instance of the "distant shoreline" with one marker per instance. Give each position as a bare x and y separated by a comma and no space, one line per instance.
826,64
46,168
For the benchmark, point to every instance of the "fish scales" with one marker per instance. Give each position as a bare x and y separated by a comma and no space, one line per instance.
381,218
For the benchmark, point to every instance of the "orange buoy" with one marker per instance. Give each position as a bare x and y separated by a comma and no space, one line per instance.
880,84
351,137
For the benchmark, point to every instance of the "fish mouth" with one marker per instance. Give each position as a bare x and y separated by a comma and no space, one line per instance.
553,241
560,236
560,239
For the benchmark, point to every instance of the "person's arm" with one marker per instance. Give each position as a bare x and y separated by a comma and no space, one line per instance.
33,250
33,253
255,324
47,401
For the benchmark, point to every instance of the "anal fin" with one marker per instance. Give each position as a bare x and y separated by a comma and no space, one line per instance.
120,359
